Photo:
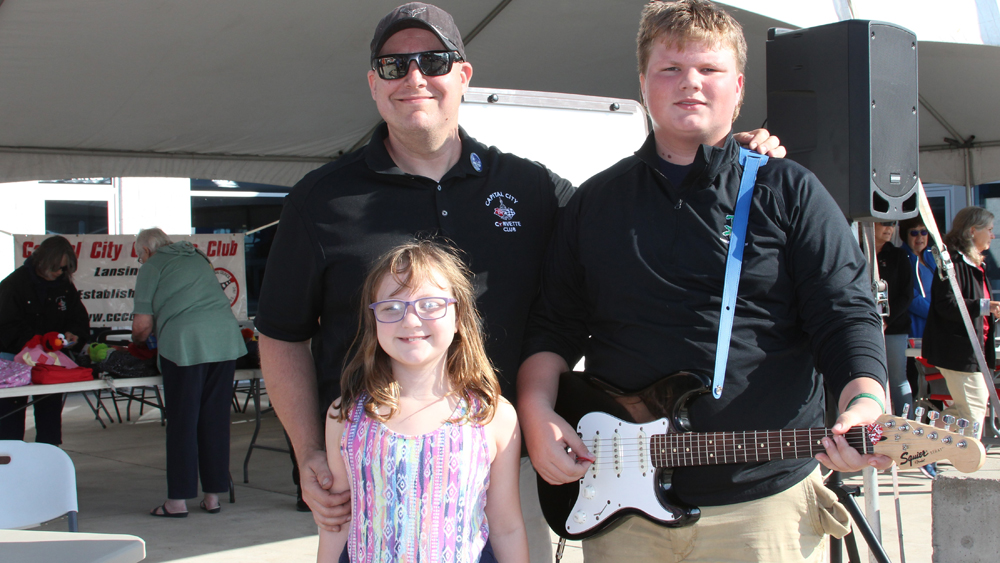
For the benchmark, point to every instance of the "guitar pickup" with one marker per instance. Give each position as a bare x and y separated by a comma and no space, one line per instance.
595,448
616,445
643,446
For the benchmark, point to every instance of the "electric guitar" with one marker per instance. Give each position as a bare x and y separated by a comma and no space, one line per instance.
634,461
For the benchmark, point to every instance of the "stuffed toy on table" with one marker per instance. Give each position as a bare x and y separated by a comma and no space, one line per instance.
44,349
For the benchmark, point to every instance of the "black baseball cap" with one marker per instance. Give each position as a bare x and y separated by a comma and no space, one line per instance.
418,14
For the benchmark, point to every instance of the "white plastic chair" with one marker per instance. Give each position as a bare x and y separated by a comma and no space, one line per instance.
37,484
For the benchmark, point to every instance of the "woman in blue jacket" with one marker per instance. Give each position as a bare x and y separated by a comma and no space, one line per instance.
916,242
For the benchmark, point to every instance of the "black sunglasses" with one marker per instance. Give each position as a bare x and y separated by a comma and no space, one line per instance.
430,63
888,223
918,233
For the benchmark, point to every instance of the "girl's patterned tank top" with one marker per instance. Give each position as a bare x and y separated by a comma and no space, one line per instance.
417,498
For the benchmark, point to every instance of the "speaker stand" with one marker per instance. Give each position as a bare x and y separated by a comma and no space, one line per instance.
846,495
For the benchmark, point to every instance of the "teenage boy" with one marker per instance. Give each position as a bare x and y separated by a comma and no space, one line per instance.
634,279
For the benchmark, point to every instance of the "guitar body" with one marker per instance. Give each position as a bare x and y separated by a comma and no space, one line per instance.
609,490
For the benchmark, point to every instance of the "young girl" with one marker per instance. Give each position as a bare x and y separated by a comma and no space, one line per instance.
421,435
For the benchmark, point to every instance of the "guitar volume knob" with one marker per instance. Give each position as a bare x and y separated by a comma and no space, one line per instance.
580,517
589,492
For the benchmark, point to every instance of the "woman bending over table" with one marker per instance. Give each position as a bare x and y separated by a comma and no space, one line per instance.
178,297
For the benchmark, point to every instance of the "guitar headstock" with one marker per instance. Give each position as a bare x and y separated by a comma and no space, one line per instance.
913,444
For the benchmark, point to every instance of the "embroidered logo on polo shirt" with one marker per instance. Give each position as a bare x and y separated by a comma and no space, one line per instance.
476,162
61,303
503,211
727,231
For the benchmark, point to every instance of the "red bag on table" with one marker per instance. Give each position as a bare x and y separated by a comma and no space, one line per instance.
47,374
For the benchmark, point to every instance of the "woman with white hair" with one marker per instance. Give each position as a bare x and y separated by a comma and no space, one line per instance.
179,299
946,344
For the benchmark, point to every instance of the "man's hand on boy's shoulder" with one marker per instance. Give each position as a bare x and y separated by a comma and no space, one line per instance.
762,141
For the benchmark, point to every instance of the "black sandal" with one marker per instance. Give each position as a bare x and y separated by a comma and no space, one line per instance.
215,510
164,513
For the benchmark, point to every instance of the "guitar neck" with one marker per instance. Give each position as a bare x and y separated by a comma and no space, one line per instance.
716,448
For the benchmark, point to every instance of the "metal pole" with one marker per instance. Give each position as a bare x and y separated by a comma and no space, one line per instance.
868,474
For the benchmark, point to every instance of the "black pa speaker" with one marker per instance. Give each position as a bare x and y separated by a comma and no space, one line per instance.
843,99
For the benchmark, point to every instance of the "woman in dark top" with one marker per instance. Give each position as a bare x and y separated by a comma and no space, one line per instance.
37,298
894,268
946,343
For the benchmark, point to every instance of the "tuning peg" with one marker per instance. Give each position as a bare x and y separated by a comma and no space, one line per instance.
962,425
906,410
948,421
933,417
918,414
975,429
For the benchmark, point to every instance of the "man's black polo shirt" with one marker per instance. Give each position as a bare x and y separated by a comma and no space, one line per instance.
497,208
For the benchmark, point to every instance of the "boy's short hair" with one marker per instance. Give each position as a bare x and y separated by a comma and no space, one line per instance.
680,22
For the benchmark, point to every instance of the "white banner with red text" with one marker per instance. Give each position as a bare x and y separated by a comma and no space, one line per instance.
108,264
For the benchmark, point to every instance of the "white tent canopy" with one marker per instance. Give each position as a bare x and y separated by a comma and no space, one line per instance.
263,91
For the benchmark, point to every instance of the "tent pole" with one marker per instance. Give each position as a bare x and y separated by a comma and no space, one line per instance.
968,176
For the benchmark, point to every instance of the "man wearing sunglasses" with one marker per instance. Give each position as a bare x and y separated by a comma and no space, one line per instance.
420,174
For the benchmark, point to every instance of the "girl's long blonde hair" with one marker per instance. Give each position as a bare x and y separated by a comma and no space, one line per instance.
469,370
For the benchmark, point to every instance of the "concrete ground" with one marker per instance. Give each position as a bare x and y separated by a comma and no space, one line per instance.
121,474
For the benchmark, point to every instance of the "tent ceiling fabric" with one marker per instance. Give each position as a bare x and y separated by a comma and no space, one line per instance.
960,83
268,91
265,91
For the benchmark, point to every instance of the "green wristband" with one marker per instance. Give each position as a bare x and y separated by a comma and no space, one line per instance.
866,396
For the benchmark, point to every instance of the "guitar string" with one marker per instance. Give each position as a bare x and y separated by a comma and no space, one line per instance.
726,442
706,453
741,456
748,455
638,451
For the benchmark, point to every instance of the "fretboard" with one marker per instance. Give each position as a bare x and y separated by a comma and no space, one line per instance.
716,448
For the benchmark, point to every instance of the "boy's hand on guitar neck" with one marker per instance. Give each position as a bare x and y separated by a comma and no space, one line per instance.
840,456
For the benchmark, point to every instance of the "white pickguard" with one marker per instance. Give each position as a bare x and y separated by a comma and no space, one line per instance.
622,476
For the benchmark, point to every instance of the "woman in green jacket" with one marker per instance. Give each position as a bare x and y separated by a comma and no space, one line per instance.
178,298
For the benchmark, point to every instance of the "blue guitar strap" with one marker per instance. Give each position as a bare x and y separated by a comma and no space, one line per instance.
750,161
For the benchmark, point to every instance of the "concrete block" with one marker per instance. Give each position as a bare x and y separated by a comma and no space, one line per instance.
965,514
